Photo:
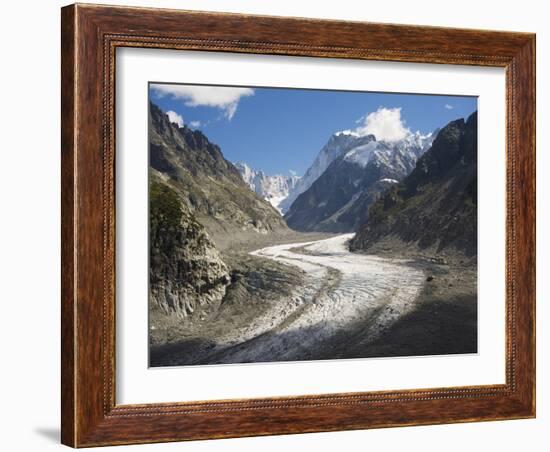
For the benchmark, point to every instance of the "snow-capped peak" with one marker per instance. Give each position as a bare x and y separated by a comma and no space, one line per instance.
347,132
338,144
362,153
272,188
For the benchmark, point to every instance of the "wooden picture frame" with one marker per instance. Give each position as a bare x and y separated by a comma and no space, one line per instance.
90,36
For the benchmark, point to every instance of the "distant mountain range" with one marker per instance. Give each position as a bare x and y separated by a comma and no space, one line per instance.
357,155
274,189
358,169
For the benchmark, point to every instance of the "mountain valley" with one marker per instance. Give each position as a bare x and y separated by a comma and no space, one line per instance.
372,252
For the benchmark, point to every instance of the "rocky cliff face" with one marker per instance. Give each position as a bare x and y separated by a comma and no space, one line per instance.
186,269
273,189
338,200
210,186
435,205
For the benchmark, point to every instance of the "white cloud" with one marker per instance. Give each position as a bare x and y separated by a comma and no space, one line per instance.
292,172
195,124
385,124
449,107
175,118
224,98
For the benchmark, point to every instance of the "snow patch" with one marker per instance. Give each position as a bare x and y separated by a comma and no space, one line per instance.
361,154
390,181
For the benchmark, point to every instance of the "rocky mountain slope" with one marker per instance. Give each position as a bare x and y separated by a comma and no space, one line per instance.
436,205
186,269
273,189
338,200
210,186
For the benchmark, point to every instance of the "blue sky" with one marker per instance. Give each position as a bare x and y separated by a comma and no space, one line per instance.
281,130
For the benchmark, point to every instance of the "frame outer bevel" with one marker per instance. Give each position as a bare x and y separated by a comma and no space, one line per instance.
90,35
68,243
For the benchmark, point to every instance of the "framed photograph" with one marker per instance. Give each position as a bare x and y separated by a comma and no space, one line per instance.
281,225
